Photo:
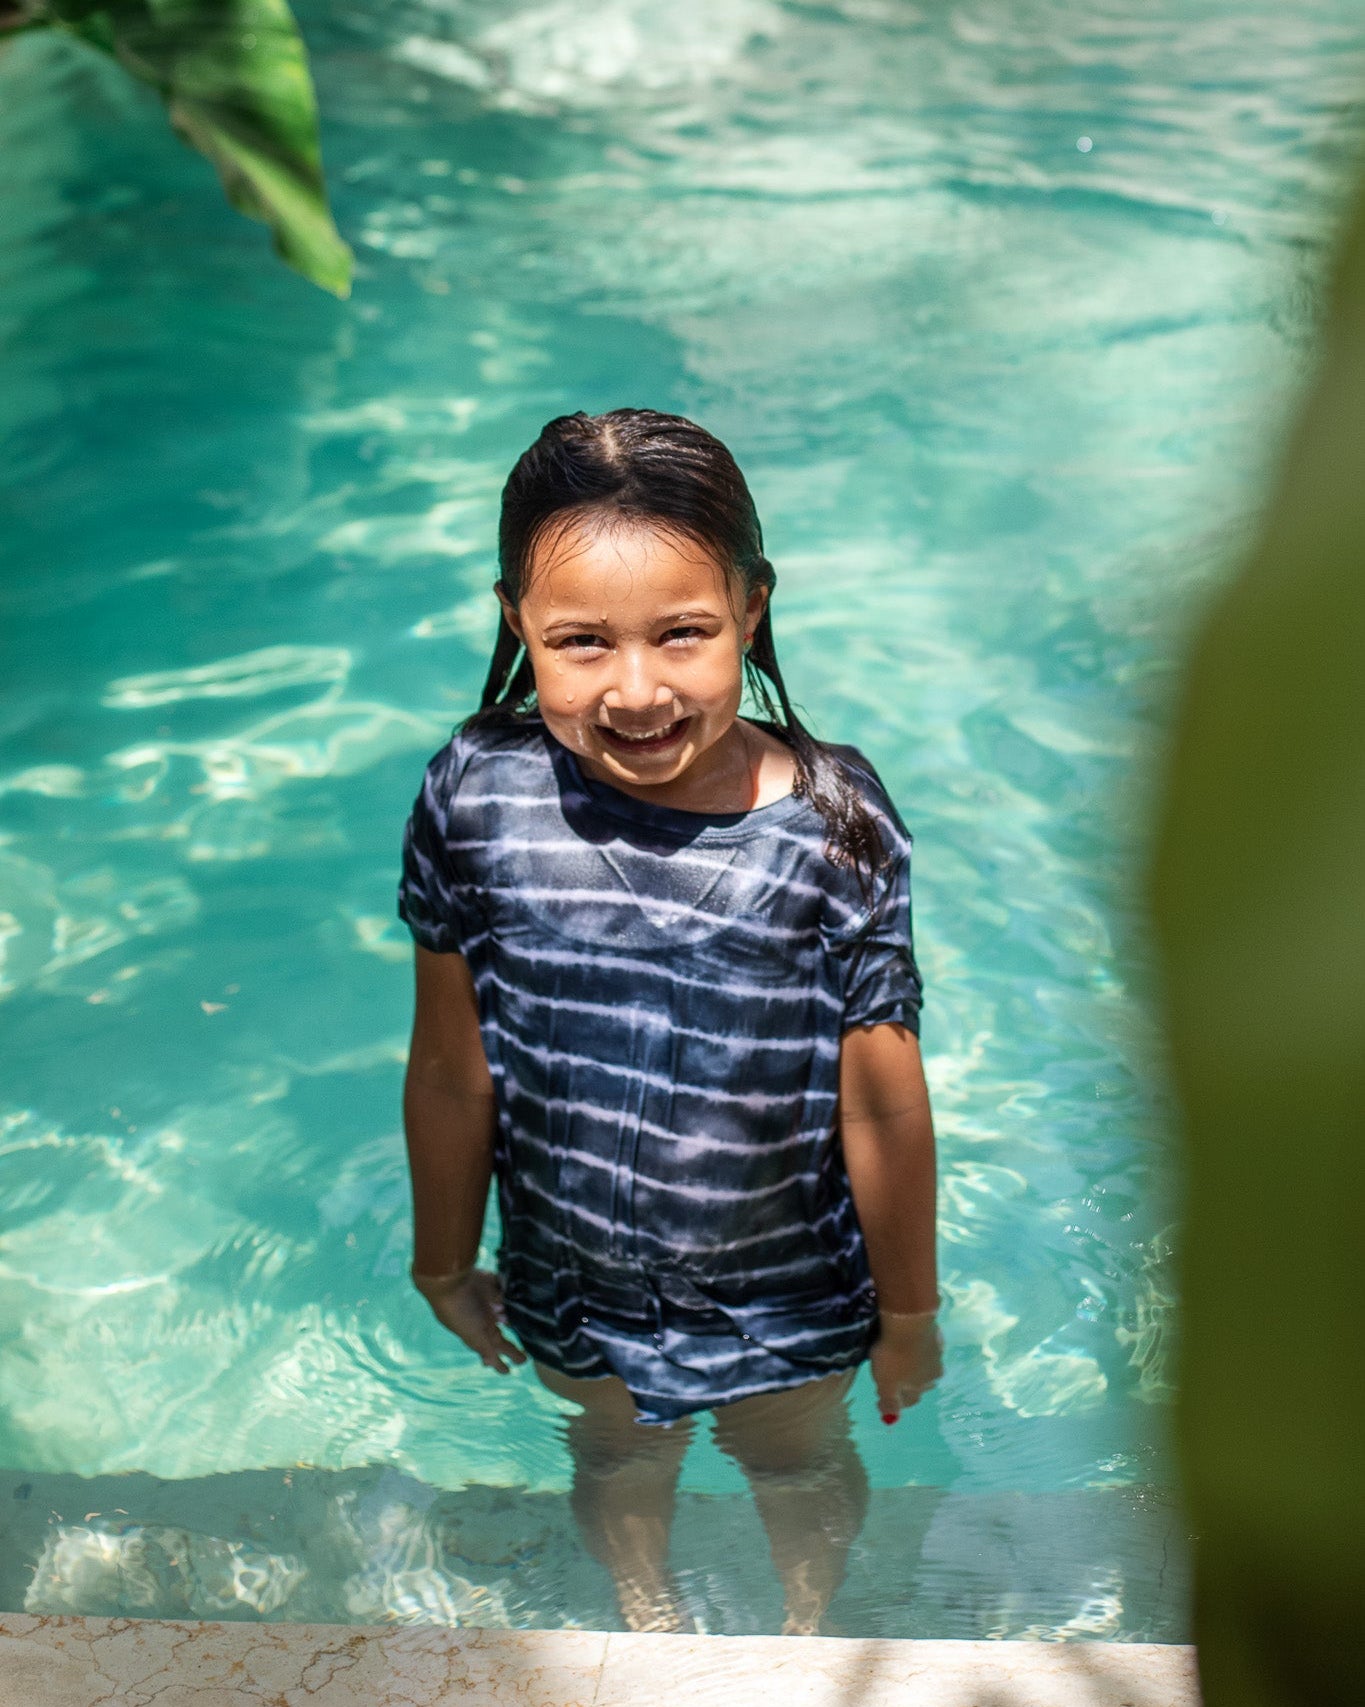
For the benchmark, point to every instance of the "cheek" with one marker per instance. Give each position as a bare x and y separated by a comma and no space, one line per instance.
720,683
554,675
564,716
566,696
560,698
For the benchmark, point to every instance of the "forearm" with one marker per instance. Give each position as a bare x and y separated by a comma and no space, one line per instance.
893,1177
450,1158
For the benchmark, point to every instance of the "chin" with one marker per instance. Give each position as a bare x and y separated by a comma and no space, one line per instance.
642,770
649,776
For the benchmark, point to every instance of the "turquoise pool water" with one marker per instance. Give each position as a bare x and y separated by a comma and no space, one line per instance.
1001,307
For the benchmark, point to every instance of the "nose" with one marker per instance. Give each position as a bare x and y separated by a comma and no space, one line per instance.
636,687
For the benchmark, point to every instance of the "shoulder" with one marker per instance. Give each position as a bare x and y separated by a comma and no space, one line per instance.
484,760
876,797
852,903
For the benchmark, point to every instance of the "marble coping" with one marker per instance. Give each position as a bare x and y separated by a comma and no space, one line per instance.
68,1661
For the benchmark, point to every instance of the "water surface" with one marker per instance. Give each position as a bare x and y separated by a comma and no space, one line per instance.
1001,307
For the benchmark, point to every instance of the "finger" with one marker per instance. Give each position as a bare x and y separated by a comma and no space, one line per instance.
510,1349
491,1352
888,1399
494,1346
913,1391
483,1342
495,1311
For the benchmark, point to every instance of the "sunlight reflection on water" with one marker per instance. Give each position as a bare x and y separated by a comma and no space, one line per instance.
1003,399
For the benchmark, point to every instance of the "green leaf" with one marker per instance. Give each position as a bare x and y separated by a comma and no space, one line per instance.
1258,891
234,75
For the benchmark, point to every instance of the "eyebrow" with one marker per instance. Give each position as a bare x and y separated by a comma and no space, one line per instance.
576,624
573,624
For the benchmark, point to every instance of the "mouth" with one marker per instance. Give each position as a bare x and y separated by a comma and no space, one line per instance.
648,741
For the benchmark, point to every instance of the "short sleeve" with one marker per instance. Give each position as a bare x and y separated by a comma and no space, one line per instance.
430,893
872,937
881,979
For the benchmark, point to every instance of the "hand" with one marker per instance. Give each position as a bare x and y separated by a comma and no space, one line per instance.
907,1359
470,1305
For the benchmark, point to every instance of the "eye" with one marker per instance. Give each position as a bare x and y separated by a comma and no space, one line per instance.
684,634
580,643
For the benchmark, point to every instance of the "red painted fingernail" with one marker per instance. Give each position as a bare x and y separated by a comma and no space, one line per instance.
888,1416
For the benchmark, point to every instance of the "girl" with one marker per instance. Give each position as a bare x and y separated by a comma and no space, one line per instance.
666,994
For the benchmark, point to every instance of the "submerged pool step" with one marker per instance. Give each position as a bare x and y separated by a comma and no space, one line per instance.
70,1662
374,1546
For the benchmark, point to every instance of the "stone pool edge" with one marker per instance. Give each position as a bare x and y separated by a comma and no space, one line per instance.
66,1660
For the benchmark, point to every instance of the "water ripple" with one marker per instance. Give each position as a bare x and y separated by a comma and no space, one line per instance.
1001,307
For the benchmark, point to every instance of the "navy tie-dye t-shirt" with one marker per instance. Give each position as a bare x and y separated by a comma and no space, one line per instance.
661,998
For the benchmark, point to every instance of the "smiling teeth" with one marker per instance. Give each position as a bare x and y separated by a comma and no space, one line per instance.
653,735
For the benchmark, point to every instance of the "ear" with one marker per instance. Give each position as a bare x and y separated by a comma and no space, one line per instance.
509,611
754,607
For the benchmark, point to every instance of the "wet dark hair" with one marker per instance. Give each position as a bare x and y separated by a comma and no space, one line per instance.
638,464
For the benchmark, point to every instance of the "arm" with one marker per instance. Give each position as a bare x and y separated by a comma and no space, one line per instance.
449,1120
887,1132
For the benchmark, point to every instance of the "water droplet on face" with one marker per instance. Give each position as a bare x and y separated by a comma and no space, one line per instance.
569,698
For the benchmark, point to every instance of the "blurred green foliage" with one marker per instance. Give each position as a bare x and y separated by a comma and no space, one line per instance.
1258,890
235,79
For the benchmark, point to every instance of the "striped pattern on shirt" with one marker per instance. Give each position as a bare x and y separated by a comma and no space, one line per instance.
661,999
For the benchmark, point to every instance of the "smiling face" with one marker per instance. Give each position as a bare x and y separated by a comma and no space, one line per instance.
636,637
